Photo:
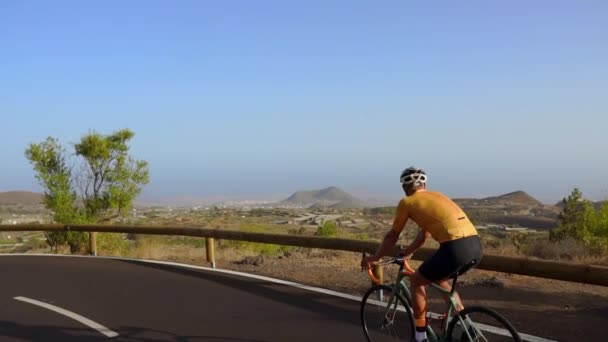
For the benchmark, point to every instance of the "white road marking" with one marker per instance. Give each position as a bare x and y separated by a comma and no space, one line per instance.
72,315
524,337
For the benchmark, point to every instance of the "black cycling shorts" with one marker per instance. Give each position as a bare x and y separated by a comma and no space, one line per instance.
452,257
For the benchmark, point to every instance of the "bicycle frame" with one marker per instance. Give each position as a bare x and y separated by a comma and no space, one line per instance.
401,287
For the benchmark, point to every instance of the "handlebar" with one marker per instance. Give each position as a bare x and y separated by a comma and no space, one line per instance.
400,260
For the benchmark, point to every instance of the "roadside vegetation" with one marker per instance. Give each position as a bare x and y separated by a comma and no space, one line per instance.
536,244
101,184
97,186
584,222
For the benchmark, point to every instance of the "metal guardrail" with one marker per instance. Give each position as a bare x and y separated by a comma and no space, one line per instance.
581,273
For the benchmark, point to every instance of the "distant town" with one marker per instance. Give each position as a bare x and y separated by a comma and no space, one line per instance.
516,211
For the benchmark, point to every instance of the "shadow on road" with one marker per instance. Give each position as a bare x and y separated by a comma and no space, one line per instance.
551,315
330,307
126,334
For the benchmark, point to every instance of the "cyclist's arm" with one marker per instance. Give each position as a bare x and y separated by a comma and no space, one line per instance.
390,239
418,241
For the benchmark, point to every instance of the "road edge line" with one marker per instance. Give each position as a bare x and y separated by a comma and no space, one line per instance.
79,318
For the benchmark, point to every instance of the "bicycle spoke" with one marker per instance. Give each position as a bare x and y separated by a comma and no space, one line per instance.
480,325
384,322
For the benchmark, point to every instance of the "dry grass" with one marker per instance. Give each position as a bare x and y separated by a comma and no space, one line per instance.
340,270
21,198
157,249
568,250
514,245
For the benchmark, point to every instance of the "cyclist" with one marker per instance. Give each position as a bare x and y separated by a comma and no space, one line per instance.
443,220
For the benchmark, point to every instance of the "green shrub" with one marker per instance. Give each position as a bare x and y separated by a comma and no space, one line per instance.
327,230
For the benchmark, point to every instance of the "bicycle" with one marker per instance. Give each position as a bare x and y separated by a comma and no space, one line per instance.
387,314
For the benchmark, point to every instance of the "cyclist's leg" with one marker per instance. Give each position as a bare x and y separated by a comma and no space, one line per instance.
460,253
418,284
440,266
446,284
434,269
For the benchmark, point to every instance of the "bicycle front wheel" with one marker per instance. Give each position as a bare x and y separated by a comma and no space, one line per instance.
384,319
477,323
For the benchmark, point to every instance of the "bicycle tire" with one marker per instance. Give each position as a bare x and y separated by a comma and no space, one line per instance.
484,326
375,327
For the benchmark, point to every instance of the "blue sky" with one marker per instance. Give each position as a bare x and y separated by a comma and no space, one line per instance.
267,97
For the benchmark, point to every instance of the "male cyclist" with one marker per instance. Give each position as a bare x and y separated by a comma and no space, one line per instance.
443,220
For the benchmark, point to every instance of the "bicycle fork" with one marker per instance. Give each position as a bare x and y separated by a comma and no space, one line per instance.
391,309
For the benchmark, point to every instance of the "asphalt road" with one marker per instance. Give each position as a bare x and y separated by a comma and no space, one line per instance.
147,302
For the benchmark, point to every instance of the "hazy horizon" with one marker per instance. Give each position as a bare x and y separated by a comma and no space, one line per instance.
363,194
266,98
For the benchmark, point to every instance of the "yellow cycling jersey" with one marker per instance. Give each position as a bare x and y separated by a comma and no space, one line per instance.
435,213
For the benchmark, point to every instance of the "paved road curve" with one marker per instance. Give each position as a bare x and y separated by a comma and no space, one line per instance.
151,302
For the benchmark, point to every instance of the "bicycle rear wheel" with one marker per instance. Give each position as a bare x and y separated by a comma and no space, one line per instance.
477,323
384,322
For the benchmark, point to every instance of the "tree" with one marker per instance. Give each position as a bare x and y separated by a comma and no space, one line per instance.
580,220
571,215
99,186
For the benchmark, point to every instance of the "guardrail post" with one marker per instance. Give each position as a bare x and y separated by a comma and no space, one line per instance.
210,246
93,243
378,272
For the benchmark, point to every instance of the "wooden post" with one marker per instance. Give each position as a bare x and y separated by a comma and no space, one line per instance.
379,273
210,244
93,243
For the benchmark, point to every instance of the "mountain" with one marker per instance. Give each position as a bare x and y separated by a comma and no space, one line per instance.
514,208
20,198
329,197
515,198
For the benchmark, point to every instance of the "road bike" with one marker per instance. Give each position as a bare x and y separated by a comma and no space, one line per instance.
387,314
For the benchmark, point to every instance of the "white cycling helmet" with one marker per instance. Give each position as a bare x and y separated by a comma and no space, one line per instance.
413,176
